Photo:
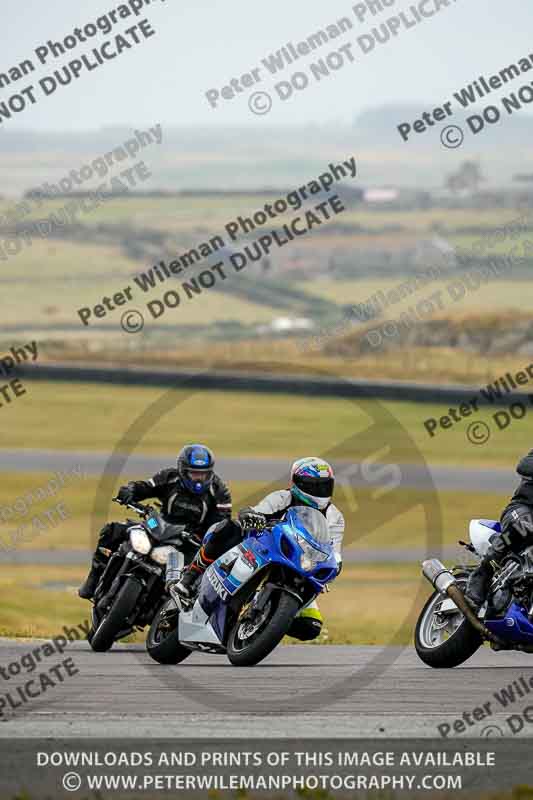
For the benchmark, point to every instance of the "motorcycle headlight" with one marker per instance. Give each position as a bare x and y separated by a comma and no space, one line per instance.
161,554
140,541
311,556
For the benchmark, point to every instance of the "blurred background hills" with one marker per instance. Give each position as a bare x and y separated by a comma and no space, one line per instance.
412,206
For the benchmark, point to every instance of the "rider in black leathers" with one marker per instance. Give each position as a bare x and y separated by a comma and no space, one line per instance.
516,535
191,495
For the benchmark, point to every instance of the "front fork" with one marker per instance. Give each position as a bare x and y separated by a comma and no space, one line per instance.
130,562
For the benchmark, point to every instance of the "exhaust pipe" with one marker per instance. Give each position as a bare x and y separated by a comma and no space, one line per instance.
444,581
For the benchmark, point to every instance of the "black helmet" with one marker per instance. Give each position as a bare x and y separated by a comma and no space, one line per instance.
195,467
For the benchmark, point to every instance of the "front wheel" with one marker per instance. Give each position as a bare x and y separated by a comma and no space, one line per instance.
113,622
445,639
253,638
162,642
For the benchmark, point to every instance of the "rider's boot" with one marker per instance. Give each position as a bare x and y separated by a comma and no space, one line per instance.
190,579
478,585
88,587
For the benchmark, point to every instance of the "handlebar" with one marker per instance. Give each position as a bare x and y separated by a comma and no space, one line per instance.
139,508
146,511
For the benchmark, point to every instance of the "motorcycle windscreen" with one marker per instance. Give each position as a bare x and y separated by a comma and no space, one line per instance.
312,525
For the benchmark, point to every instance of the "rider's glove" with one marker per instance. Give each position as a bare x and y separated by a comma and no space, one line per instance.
249,518
126,494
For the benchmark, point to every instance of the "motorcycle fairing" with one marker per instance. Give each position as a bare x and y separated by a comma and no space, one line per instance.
195,627
515,627
480,532
238,565
233,570
218,586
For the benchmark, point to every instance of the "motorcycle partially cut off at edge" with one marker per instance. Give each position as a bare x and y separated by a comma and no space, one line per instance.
249,597
132,586
449,631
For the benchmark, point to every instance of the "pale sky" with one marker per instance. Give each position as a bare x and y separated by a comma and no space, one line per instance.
202,44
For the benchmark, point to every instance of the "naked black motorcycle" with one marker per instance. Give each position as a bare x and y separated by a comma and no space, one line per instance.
132,587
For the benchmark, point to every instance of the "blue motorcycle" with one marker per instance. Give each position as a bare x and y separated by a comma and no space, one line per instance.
250,596
449,631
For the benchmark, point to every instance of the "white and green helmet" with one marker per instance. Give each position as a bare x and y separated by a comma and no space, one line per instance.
312,482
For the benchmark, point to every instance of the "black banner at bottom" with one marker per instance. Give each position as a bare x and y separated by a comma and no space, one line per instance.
83,768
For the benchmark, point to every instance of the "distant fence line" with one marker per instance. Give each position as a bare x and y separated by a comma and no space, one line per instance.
308,386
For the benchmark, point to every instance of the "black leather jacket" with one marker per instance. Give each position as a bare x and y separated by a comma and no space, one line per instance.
182,507
524,493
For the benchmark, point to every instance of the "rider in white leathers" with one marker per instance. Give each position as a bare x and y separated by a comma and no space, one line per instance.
311,484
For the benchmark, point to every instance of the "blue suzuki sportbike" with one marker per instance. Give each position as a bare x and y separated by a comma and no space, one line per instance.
249,597
449,631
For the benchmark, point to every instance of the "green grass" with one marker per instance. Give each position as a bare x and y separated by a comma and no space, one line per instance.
50,281
492,296
396,521
77,417
37,601
216,211
374,604
29,608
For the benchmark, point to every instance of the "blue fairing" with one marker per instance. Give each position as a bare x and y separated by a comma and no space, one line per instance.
515,627
300,543
492,524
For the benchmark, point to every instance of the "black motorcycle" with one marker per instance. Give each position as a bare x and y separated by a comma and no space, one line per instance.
132,587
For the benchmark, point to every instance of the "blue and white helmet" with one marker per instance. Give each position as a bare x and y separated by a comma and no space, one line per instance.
195,467
312,482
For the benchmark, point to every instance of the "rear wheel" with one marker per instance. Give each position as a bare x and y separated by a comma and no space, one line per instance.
255,635
162,642
445,639
114,621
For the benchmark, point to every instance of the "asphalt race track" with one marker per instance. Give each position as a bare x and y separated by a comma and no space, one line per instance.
298,691
453,478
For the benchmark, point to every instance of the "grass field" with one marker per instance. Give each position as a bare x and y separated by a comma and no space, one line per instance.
46,288
50,280
37,601
78,417
186,213
396,521
319,356
496,295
